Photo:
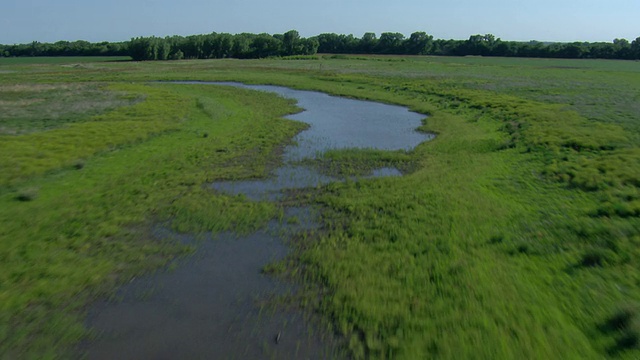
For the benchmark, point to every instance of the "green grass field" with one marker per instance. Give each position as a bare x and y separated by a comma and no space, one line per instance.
514,234
60,60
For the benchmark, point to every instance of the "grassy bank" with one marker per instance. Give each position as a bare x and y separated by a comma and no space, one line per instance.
515,232
72,230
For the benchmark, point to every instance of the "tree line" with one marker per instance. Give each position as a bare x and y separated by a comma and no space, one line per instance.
248,46
218,46
66,48
420,43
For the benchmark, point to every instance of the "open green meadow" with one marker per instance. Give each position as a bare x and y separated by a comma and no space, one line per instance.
515,233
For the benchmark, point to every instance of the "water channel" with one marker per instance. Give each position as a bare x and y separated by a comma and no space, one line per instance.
209,306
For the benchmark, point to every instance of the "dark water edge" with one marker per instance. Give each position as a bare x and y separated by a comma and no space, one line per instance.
218,304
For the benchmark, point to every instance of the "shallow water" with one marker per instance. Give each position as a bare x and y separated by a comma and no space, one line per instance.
209,305
288,177
341,123
335,123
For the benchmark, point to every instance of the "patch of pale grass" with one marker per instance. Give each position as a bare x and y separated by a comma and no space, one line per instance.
21,102
38,87
27,108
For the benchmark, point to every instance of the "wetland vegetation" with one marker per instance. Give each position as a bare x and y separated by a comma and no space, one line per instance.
514,233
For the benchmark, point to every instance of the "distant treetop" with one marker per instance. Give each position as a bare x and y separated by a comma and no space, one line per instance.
245,46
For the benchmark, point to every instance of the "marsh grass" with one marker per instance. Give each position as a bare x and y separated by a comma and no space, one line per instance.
27,108
88,230
28,194
625,325
360,162
43,151
60,60
514,233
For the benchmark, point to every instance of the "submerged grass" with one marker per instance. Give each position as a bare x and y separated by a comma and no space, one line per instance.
360,162
515,233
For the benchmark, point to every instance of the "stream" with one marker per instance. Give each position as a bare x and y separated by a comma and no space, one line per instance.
213,304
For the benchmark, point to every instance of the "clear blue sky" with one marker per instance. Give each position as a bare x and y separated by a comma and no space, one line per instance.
23,21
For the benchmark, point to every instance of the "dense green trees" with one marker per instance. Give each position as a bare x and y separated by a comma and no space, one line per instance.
265,45
245,45
390,43
420,43
291,43
336,44
66,48
221,45
368,43
634,49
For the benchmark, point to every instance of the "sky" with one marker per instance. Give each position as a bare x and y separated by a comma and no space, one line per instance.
24,21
